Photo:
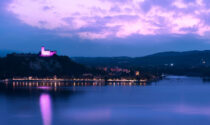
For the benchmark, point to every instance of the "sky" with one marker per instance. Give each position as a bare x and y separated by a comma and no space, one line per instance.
93,28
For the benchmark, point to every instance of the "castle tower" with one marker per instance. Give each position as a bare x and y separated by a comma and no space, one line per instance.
46,53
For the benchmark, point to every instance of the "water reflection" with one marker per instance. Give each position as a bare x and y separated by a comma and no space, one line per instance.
192,110
174,101
45,107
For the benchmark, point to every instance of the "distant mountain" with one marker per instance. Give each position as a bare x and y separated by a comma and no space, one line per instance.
181,63
103,61
188,58
15,65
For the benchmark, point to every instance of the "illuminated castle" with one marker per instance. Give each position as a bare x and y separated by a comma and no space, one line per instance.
46,53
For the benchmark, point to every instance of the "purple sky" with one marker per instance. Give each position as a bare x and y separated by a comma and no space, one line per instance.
112,26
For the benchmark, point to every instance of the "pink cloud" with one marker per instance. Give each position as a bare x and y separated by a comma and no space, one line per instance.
79,17
180,4
92,35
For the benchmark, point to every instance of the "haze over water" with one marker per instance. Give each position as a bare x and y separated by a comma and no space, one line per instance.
172,101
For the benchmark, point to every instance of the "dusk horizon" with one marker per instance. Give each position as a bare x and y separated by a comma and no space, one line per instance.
104,62
4,53
181,26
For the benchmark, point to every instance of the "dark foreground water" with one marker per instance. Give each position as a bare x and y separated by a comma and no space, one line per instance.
173,101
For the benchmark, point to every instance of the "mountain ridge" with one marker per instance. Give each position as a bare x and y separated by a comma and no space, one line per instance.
196,57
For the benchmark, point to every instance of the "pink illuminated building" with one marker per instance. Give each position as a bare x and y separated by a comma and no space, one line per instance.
46,53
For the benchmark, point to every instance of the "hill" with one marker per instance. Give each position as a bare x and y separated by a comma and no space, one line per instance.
181,63
103,61
188,58
22,65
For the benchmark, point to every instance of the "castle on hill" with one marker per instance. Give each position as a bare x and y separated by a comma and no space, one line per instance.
46,53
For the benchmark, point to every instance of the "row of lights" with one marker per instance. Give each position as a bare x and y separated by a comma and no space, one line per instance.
60,84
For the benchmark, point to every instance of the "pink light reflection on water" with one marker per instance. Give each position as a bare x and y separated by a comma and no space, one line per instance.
45,107
45,88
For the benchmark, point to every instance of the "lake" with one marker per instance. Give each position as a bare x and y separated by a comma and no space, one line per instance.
172,101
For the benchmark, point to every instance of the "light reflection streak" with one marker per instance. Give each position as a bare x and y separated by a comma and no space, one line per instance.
184,109
192,110
45,107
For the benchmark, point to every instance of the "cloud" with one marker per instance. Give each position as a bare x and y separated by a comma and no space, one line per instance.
101,19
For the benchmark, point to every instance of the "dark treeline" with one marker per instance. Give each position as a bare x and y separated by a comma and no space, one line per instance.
24,65
192,63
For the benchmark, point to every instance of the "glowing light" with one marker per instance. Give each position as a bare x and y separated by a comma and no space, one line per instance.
137,73
45,107
45,53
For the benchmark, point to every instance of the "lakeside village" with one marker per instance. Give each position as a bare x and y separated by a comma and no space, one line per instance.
102,75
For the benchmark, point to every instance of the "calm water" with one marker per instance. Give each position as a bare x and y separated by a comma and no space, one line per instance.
173,101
